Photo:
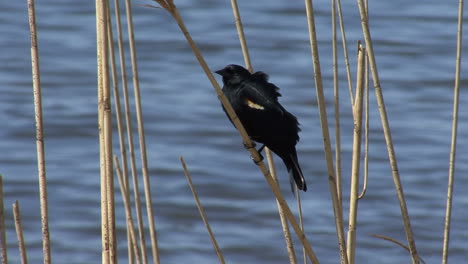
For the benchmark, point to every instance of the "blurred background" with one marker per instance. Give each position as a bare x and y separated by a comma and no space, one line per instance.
415,47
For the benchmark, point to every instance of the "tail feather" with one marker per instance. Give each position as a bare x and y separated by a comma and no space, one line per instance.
295,172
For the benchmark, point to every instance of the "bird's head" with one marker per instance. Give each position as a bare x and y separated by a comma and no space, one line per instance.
233,74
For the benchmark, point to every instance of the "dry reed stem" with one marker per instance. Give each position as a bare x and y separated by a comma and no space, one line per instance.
202,212
240,32
453,144
337,210
336,95
3,243
19,232
136,188
301,222
345,52
395,242
141,135
356,160
107,118
105,137
387,133
39,134
271,164
171,8
366,127
283,219
128,211
117,108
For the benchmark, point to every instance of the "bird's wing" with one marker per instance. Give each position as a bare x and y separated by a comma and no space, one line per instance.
259,94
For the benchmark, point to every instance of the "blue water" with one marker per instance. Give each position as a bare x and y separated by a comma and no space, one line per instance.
415,47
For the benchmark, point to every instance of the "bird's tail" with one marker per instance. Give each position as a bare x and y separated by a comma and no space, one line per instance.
295,172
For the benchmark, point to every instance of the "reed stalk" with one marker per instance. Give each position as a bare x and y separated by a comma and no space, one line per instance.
128,122
283,219
109,254
202,212
39,134
3,242
118,111
345,52
141,135
366,135
19,232
128,211
271,164
171,8
336,95
387,133
386,238
337,210
301,222
356,160
453,144
366,128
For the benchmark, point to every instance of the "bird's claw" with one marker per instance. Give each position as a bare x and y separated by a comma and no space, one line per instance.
249,146
257,162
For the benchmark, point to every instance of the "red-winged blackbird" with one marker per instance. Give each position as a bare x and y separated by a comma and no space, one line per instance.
255,101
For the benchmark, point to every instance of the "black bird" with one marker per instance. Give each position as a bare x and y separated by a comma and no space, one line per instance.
255,101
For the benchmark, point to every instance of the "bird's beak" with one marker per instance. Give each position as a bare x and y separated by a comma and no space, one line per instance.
220,72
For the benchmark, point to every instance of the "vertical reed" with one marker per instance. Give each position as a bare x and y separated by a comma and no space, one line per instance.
118,112
345,52
337,210
202,212
366,126
171,8
3,242
283,219
387,133
356,160
301,222
105,137
336,94
19,232
271,165
128,211
453,144
136,188
141,135
39,133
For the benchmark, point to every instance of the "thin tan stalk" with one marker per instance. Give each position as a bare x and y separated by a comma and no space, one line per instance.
337,210
301,222
136,188
202,212
171,8
240,32
19,232
366,127
128,211
395,242
345,52
453,144
284,220
105,137
141,135
39,133
118,111
271,164
356,160
387,133
3,242
336,94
